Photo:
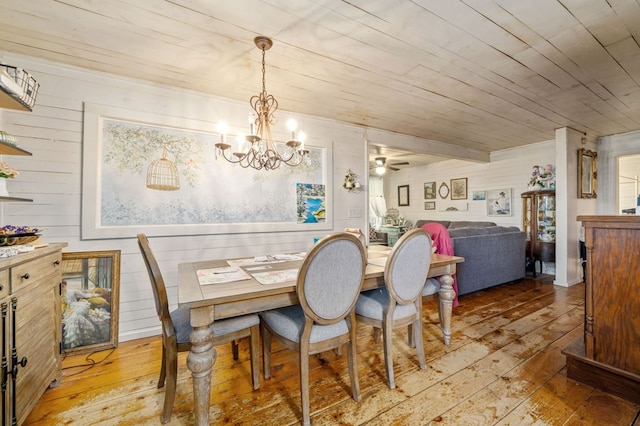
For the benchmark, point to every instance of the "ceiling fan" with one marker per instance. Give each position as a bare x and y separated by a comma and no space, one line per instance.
381,165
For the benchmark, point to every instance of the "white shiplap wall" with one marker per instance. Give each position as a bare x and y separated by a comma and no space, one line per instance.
610,148
628,181
508,169
52,177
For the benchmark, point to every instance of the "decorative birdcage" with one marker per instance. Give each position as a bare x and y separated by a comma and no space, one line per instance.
162,174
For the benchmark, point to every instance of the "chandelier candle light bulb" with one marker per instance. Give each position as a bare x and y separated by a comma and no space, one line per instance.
252,124
222,129
292,125
303,136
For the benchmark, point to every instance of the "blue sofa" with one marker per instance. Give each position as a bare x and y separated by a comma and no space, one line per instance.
493,254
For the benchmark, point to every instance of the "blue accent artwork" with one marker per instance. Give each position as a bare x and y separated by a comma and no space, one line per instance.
311,206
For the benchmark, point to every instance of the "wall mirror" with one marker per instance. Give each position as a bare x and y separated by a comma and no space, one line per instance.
587,173
443,190
90,295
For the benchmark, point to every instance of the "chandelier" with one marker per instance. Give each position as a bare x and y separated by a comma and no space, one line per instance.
261,151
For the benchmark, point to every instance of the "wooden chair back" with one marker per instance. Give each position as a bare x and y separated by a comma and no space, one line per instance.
157,285
331,277
408,265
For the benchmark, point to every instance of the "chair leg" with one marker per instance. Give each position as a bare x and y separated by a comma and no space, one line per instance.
266,352
234,349
352,356
163,367
417,337
410,337
387,336
417,334
172,378
254,348
304,384
377,332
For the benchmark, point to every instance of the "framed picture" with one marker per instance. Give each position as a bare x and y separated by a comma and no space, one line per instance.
430,191
122,146
459,189
90,300
499,202
479,195
429,205
403,195
443,190
587,173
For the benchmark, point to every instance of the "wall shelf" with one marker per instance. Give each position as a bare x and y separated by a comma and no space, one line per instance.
8,149
10,102
10,199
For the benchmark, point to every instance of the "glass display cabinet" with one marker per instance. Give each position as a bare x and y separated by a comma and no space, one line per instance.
539,225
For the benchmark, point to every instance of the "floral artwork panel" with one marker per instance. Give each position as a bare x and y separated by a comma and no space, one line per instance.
214,195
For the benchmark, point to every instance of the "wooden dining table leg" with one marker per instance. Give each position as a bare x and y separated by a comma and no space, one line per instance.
200,361
447,295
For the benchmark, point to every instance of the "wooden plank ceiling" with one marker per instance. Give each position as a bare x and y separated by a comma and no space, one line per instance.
480,75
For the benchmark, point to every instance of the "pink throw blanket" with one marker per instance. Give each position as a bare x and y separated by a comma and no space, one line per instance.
443,245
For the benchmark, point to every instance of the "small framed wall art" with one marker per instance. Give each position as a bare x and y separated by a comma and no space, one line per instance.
430,191
403,195
459,189
429,205
499,202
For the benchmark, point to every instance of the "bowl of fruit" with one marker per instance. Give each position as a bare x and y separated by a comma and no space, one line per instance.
11,235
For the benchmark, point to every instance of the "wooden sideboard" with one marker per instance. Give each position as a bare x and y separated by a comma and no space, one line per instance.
30,328
608,357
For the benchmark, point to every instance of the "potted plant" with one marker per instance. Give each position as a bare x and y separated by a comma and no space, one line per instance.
6,172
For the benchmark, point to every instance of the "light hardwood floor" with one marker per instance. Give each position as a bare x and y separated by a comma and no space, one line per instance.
504,367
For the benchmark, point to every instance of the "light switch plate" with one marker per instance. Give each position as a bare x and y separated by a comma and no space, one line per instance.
355,212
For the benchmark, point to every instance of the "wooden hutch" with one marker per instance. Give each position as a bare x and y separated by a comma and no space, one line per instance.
608,357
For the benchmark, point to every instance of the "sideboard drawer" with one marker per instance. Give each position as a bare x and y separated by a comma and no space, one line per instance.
4,283
26,273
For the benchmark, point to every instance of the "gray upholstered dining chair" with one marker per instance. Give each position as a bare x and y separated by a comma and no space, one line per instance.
176,330
328,284
399,303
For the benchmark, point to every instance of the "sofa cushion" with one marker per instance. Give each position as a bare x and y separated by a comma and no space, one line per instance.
455,224
444,223
489,230
469,224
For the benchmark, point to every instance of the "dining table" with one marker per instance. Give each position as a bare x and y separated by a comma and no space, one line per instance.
224,288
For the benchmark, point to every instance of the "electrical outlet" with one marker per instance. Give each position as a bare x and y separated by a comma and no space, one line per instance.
355,212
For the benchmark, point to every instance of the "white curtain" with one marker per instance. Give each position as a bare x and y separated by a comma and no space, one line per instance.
377,205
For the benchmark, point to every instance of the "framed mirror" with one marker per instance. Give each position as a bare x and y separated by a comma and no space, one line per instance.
587,173
443,190
90,297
